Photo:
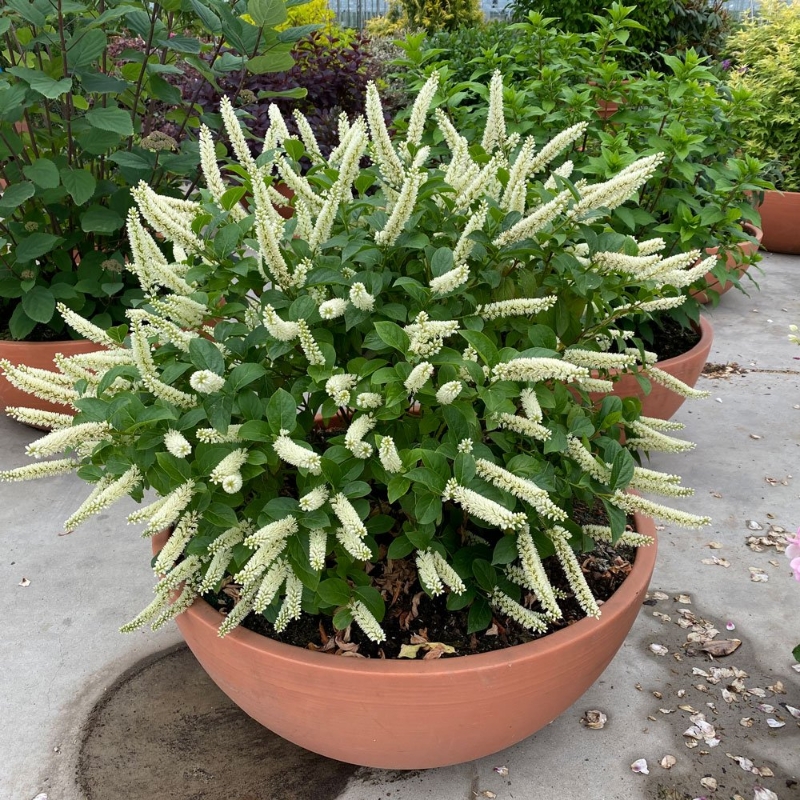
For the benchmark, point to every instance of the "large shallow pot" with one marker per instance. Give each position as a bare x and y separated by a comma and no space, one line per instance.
780,219
398,714
746,249
662,403
39,355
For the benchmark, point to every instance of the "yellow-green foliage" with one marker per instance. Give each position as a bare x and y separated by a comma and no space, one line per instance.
767,50
314,12
430,15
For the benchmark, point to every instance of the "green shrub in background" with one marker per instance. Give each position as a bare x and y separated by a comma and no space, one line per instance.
666,25
699,195
83,94
428,15
767,49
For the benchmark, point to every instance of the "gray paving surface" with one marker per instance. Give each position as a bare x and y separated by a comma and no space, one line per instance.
61,650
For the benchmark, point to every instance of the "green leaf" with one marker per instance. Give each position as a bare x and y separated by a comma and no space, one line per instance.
244,374
176,469
422,537
617,519
480,615
267,12
14,196
221,515
43,84
164,91
39,304
256,430
334,592
85,47
209,19
42,172
400,548
276,61
372,599
485,574
205,355
282,411
98,83
796,653
20,324
80,184
98,219
483,345
219,408
35,246
505,551
392,334
114,120
621,470
428,507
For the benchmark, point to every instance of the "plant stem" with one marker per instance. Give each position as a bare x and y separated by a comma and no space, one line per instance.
139,83
68,100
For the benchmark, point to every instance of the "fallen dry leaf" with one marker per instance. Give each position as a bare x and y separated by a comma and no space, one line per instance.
659,596
668,762
640,765
720,562
434,650
753,525
596,720
683,598
754,436
657,695
795,712
666,710
488,793
715,545
659,649
501,771
756,692
745,763
709,783
723,647
24,582
690,743
766,708
774,723
764,772
777,687
746,722
761,793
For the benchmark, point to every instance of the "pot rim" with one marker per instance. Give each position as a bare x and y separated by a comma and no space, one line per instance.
706,332
635,583
52,343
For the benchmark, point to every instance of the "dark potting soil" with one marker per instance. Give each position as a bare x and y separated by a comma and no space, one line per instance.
671,339
412,617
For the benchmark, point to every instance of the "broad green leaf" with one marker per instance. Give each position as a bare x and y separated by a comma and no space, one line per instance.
35,246
14,196
209,19
621,470
505,551
400,548
485,574
85,47
98,83
131,160
334,592
97,219
243,375
282,411
41,83
205,355
483,345
114,120
267,12
480,615
274,61
80,184
39,304
393,335
20,324
42,172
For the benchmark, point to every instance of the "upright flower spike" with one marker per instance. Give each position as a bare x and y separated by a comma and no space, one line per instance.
535,575
106,494
366,621
520,488
403,208
572,569
348,516
482,507
388,161
212,175
419,112
296,455
494,134
85,328
354,438
389,457
165,511
175,224
236,135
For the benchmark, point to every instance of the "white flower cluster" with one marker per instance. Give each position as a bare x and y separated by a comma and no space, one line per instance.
106,492
482,507
45,469
333,308
317,548
435,573
521,307
649,439
339,388
369,400
365,620
536,221
572,569
521,488
227,474
531,620
354,438
67,439
389,457
418,377
596,360
361,298
523,425
206,382
449,392
602,533
450,280
42,383
165,511
314,499
674,384
633,502
353,530
426,336
178,539
535,576
177,444
297,455
213,436
538,369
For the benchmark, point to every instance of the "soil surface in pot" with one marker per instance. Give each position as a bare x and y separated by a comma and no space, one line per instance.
413,618
671,339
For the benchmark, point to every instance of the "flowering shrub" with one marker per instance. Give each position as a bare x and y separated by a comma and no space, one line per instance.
399,371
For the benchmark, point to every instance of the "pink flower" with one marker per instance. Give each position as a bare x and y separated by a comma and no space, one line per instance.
793,554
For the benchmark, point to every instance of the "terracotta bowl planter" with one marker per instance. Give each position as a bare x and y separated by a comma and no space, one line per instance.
662,403
746,248
414,714
780,218
39,355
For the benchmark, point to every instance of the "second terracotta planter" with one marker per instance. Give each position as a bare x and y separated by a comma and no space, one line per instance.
780,219
39,355
746,249
397,714
662,403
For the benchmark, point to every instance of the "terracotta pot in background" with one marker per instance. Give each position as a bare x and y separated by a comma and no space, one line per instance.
746,248
39,355
397,714
662,403
780,219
